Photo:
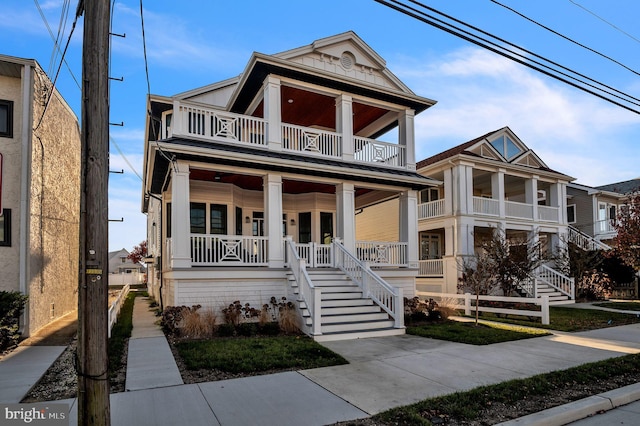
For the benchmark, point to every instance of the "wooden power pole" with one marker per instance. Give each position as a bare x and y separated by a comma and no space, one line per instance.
93,374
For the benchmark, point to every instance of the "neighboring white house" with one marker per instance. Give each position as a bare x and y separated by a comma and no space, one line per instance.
39,193
123,271
252,186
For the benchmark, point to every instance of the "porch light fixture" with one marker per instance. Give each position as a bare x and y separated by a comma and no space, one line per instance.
247,219
293,222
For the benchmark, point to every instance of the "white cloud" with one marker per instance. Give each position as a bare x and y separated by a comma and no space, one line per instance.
479,92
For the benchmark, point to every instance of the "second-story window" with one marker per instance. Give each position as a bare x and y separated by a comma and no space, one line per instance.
6,119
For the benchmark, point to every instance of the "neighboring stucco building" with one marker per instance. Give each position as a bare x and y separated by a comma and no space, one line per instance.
40,193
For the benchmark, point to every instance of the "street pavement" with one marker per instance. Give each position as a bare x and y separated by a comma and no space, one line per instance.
382,373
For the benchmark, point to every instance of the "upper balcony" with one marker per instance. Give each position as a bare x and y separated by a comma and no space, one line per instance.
196,121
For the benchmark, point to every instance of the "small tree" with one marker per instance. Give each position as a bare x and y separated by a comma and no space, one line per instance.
627,225
138,253
477,277
512,260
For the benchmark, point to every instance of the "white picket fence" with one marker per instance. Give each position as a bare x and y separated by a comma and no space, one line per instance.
115,307
467,299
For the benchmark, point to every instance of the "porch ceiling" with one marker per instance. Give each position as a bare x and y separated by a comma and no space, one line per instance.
310,109
254,183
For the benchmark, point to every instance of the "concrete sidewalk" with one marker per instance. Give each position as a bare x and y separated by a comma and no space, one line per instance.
383,373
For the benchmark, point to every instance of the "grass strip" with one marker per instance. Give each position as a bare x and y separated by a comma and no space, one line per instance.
256,354
469,405
570,319
120,332
468,332
624,306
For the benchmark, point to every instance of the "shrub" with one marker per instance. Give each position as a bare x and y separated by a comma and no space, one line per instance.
595,285
417,311
269,328
173,316
226,330
246,329
197,324
11,306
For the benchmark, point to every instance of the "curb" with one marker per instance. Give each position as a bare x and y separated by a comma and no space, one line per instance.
577,410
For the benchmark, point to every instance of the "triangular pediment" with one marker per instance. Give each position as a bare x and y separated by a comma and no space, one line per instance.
530,159
346,55
485,150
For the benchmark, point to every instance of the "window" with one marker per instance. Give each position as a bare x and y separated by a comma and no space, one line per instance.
198,220
218,219
326,227
257,225
6,119
506,147
238,221
571,213
5,228
430,194
168,215
304,227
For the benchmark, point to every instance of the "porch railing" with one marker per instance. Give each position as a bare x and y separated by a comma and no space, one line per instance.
557,280
382,253
584,241
431,268
210,250
387,297
307,292
373,151
549,214
518,210
431,209
309,140
221,125
316,255
486,206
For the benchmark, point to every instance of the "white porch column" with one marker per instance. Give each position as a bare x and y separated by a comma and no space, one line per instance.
272,189
531,194
345,215
406,136
497,190
463,189
344,125
409,225
558,198
448,193
273,113
180,217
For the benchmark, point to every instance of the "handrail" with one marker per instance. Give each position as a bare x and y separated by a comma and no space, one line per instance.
431,209
585,241
557,280
308,293
384,295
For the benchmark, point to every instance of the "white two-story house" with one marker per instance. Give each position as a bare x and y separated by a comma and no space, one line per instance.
252,185
492,182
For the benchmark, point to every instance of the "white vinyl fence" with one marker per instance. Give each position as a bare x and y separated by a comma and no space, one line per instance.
468,298
114,309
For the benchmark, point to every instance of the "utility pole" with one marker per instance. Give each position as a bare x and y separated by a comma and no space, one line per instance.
93,374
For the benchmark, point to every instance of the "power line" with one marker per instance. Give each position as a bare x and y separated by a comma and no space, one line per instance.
565,37
46,23
144,49
605,21
53,85
124,157
510,54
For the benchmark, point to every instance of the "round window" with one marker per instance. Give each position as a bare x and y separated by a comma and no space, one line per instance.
347,60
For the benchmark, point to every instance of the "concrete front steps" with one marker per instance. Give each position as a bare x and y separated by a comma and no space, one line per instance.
555,297
345,313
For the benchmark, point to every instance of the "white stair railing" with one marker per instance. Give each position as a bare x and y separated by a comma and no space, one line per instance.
585,241
557,280
387,297
307,292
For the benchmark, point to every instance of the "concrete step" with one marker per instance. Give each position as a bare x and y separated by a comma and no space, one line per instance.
358,334
356,326
354,317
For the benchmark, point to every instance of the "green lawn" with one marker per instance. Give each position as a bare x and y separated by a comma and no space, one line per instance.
626,306
256,354
120,332
468,332
570,319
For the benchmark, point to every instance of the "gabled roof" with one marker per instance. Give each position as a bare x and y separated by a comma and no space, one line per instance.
624,187
485,147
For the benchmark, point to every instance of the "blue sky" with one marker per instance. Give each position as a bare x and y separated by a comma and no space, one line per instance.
198,42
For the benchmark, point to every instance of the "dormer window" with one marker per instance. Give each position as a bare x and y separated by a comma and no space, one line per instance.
506,147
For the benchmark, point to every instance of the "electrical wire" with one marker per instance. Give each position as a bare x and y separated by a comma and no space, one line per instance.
62,25
53,85
509,54
124,157
565,37
56,44
144,49
605,21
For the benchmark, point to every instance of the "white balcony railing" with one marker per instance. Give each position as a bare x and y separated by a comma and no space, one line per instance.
431,209
211,250
311,141
431,268
605,227
373,151
518,210
214,124
486,206
382,253
549,214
